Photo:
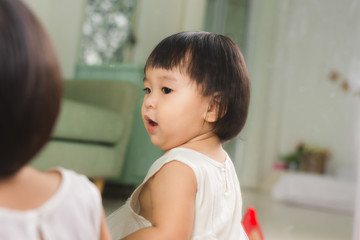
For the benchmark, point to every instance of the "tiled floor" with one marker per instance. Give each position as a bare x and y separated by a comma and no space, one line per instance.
289,222
286,222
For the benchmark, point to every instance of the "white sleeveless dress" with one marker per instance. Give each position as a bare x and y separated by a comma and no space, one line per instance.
73,212
218,203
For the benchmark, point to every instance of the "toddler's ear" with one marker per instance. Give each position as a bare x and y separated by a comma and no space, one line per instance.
213,109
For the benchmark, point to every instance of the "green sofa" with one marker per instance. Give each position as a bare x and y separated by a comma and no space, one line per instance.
93,129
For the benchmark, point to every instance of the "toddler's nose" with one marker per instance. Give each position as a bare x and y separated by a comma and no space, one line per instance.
149,101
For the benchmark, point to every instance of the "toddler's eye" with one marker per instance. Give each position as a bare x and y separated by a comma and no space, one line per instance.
147,90
166,90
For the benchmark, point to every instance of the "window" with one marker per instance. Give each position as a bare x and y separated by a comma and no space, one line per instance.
107,31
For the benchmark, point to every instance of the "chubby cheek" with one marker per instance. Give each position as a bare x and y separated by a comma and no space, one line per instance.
178,129
169,133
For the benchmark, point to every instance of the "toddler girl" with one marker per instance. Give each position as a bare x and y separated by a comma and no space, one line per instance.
196,97
58,204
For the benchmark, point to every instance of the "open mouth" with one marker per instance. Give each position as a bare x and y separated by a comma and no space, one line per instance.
151,122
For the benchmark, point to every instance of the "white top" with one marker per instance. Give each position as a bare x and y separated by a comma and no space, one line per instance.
73,212
218,200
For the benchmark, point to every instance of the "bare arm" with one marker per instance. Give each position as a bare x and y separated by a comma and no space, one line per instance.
104,230
173,190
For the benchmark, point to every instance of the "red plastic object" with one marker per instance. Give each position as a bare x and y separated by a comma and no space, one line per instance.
251,225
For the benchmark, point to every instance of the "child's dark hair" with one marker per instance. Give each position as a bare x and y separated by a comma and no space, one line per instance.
30,86
216,64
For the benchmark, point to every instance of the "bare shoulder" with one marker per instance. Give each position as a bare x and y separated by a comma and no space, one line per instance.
174,178
171,193
53,175
176,169
175,175
173,186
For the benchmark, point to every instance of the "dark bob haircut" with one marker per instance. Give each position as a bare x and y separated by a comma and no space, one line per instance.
30,86
216,64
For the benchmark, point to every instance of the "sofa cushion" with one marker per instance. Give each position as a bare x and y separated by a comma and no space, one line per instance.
93,160
84,122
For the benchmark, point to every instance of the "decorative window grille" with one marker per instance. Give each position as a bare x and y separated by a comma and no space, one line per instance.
107,31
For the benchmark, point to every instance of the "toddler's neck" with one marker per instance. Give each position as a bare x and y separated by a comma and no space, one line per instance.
208,145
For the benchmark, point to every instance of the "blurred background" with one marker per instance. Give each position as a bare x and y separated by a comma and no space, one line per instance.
297,156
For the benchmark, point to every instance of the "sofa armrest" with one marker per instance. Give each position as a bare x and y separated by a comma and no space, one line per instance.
113,95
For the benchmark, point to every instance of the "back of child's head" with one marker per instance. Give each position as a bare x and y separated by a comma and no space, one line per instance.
217,66
30,86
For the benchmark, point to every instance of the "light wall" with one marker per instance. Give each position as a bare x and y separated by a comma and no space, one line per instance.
260,39
157,19
63,22
293,47
356,235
